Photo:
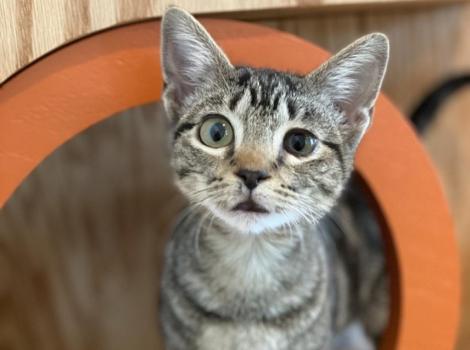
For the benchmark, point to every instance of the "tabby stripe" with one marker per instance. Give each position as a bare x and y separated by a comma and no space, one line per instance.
178,327
292,109
182,128
265,98
200,309
254,97
244,77
235,99
276,101
336,148
183,172
311,300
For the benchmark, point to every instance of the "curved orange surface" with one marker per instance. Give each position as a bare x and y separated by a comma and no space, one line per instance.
83,83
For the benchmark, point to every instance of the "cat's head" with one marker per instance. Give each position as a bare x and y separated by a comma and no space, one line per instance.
261,148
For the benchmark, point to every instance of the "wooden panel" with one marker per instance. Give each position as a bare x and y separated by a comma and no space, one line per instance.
29,29
427,44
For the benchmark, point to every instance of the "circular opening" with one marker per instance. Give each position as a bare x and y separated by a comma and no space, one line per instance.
91,222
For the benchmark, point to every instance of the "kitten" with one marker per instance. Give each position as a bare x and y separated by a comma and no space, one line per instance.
263,156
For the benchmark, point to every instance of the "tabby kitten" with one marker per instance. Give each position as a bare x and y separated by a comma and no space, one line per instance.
262,156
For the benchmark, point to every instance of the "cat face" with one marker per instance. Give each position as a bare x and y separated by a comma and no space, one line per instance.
261,148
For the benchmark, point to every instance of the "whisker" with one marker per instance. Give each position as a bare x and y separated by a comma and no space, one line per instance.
208,188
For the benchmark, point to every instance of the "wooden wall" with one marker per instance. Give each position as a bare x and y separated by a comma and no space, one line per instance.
429,43
31,28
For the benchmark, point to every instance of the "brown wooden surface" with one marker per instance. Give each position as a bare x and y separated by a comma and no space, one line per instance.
119,69
427,44
29,29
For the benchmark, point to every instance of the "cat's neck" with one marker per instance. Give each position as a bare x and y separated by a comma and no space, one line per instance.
228,241
232,245
261,261
246,274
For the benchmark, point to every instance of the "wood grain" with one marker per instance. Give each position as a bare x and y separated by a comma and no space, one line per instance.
29,29
427,44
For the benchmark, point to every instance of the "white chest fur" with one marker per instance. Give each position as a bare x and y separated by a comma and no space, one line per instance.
240,337
249,262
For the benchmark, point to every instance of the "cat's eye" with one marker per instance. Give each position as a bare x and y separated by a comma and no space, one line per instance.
216,132
300,143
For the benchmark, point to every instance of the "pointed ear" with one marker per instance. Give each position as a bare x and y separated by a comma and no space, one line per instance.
190,58
352,80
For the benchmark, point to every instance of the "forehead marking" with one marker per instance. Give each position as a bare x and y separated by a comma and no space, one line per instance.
254,96
291,108
244,77
234,100
276,101
182,128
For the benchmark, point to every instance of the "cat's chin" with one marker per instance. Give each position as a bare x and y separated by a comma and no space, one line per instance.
248,222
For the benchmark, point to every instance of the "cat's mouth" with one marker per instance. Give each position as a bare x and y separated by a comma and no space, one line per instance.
250,206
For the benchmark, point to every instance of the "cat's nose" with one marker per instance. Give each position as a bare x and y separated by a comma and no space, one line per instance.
251,178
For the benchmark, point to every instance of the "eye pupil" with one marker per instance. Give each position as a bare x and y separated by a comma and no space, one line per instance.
298,142
217,132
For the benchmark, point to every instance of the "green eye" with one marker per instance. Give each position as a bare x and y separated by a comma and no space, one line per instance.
216,132
300,143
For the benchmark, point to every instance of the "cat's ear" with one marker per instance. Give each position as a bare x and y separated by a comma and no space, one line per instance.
352,80
190,57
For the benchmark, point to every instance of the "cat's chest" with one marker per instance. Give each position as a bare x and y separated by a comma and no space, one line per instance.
248,266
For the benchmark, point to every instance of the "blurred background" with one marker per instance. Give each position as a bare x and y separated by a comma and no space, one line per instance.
427,77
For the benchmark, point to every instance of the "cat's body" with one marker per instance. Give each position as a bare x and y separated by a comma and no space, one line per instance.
236,292
262,157
297,288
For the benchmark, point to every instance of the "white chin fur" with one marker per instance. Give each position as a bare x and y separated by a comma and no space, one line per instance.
253,223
